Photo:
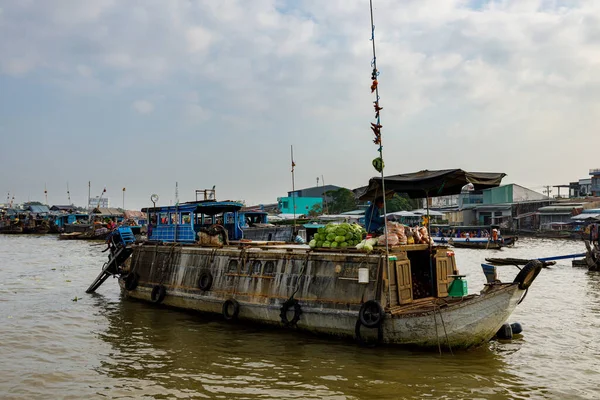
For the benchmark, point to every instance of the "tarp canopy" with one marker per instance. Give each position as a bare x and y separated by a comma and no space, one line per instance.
429,183
134,214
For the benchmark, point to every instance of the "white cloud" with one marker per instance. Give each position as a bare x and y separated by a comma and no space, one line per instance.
84,70
198,39
196,113
500,85
18,66
143,106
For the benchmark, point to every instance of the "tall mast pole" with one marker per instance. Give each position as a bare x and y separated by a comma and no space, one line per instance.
377,131
293,186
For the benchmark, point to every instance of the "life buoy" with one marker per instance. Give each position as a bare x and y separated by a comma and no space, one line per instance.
361,341
527,275
371,314
205,280
229,303
131,281
297,312
158,294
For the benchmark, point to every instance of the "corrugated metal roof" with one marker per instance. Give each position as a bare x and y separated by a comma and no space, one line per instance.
37,209
112,212
585,216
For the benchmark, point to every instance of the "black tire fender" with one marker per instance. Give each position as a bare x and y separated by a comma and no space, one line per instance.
236,309
528,273
297,312
205,280
158,294
131,281
371,314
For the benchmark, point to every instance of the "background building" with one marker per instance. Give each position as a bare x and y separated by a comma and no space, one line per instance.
97,202
306,199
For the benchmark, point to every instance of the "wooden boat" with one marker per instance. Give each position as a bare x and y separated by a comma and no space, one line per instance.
11,229
487,245
97,234
70,236
515,261
401,298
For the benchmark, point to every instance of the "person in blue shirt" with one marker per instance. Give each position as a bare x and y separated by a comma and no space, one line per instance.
373,219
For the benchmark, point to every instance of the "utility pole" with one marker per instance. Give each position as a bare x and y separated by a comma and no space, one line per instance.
548,190
324,195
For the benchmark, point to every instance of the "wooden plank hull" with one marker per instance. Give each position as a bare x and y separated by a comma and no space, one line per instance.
478,245
325,285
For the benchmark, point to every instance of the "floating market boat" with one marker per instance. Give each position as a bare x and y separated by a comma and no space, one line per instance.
487,244
195,258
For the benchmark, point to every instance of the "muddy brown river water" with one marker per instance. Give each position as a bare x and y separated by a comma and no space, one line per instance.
103,346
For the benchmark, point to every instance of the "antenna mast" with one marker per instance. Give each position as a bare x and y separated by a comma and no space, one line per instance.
293,186
376,128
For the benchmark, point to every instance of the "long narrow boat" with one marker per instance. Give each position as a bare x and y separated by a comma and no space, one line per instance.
409,295
486,244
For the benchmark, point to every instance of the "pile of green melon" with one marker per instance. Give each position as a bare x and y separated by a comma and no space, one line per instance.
338,236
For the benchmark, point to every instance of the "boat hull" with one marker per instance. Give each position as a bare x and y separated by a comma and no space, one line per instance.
326,287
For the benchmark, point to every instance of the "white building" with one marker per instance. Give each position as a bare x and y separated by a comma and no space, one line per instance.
97,202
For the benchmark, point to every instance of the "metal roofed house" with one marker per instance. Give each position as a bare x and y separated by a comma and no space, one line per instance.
558,213
62,208
37,209
113,213
592,214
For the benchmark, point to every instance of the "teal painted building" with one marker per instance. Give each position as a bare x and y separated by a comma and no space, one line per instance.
498,195
303,204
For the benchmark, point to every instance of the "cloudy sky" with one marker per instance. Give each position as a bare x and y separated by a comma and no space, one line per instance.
143,94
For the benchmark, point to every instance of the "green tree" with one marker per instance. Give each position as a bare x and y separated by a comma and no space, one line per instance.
400,203
342,200
315,210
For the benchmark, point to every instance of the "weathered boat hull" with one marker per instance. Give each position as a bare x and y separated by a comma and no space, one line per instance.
326,286
469,323
478,245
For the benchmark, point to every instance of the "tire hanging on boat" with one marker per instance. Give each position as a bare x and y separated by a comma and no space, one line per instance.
229,316
205,280
527,275
297,312
131,281
158,294
371,314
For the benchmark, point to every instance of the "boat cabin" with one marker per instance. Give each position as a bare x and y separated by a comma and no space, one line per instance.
67,219
419,272
181,223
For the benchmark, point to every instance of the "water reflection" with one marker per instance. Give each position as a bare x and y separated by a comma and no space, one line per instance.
188,353
102,345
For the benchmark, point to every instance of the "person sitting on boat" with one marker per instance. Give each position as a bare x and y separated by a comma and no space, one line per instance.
495,234
373,219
